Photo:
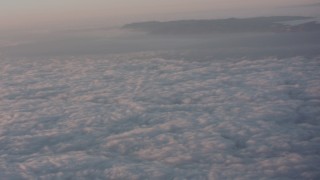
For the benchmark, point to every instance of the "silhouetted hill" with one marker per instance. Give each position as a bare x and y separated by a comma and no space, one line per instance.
231,25
310,5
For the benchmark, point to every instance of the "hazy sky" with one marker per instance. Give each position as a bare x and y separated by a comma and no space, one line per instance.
28,13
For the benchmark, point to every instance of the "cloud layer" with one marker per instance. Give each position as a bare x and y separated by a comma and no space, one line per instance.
160,119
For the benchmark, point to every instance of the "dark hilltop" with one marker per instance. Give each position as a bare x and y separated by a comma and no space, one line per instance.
230,25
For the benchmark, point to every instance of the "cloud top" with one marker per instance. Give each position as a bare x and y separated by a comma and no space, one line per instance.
160,119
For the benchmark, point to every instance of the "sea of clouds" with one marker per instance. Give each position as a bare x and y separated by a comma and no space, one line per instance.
113,118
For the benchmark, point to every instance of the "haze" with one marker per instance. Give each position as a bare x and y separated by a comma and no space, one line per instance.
205,89
17,14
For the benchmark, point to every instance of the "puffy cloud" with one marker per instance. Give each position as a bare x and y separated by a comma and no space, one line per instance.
160,119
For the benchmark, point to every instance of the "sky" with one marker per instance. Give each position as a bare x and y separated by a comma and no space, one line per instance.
17,14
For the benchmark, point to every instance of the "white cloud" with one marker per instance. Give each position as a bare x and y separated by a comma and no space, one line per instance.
160,119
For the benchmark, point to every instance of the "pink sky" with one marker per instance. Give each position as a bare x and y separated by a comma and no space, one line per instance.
28,13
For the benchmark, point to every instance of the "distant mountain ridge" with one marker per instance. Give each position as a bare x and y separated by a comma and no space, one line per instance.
231,25
310,5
